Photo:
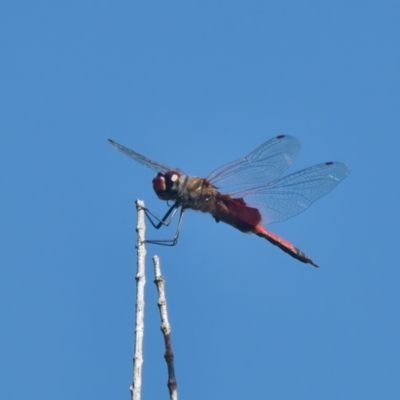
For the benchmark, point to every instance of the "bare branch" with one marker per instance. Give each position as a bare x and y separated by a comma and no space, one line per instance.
139,323
166,329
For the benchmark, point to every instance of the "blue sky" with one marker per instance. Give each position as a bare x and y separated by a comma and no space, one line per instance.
195,85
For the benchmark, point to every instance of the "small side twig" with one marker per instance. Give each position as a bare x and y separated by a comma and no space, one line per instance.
166,329
136,385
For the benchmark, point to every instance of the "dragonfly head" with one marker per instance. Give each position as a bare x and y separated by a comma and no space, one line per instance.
167,185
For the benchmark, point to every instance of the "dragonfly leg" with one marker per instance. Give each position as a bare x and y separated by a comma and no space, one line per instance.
174,240
165,220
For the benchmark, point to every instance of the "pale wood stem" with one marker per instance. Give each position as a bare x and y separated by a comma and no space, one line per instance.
165,329
136,385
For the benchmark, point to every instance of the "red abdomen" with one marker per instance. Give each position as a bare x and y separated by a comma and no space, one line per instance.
235,212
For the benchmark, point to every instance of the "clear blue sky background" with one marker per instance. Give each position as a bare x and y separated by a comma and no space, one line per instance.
195,85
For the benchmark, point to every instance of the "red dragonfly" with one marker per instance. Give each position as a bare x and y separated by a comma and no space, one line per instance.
257,196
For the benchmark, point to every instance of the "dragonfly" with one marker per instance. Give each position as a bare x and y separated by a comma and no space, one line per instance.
248,193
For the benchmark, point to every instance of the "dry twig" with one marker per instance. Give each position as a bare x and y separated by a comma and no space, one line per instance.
166,329
139,323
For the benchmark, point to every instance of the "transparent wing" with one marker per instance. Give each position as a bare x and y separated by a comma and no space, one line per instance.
292,194
154,165
266,163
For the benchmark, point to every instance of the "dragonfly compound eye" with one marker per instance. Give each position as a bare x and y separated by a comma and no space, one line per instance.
166,185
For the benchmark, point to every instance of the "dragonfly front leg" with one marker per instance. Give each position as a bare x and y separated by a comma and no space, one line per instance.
165,220
174,240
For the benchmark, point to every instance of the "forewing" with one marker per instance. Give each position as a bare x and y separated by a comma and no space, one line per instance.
292,194
263,165
154,165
